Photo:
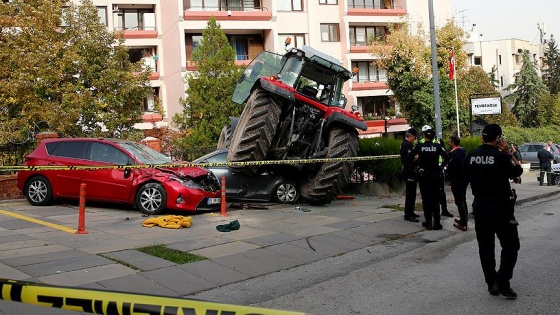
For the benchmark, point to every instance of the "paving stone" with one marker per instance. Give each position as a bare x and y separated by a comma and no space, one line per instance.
178,280
8,272
225,249
272,258
197,243
41,258
320,247
305,254
333,240
347,224
30,251
134,283
16,224
141,260
273,239
357,237
244,265
89,275
213,272
64,265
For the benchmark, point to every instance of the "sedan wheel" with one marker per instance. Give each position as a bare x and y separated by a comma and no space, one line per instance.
151,198
38,191
285,193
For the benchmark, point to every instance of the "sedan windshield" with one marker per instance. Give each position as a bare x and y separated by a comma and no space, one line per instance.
144,154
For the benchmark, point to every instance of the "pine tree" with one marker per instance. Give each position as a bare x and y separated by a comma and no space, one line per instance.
551,73
208,105
526,93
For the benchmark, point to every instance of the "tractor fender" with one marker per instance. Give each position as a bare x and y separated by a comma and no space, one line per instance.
275,89
341,119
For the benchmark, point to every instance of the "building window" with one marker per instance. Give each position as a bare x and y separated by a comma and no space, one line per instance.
367,72
290,5
102,13
477,61
148,56
501,81
328,1
329,33
376,107
223,5
370,4
364,35
246,47
135,19
500,59
150,101
297,40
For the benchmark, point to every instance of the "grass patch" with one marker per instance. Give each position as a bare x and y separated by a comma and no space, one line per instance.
170,254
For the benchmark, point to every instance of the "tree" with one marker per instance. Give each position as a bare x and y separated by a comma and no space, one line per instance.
407,59
492,75
527,89
551,73
62,68
208,105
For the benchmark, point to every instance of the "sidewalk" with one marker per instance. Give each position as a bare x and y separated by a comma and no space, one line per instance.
270,240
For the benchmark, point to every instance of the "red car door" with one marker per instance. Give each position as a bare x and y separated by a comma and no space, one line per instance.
66,183
107,184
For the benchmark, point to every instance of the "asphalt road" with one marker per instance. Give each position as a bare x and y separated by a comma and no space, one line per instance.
435,272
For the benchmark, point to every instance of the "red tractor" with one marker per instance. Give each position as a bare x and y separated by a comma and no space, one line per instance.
294,111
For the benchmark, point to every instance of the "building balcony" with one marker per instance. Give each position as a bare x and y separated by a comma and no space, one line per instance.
138,34
362,86
386,8
227,13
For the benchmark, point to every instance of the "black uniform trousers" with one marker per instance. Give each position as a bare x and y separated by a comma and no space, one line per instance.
459,191
410,196
492,220
429,189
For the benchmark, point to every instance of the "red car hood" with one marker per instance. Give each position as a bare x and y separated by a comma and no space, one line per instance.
191,171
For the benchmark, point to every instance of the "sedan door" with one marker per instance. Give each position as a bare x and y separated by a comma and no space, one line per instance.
108,184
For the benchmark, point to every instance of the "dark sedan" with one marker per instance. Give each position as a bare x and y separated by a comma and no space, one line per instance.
268,185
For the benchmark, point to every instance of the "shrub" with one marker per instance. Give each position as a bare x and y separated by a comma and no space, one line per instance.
471,143
384,170
520,135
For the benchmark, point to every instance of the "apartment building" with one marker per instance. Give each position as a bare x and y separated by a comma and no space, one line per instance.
165,32
506,55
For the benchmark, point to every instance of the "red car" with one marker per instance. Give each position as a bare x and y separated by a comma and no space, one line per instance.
151,190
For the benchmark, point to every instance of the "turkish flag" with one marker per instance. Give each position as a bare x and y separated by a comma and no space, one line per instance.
452,65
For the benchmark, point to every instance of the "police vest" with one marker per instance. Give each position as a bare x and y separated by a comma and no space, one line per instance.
440,141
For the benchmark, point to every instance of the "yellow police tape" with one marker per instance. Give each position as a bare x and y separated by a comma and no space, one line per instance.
173,165
119,303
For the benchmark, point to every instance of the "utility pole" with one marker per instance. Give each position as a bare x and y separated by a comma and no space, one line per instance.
437,107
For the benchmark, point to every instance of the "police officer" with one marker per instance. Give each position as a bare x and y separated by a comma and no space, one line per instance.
428,154
409,175
442,196
489,169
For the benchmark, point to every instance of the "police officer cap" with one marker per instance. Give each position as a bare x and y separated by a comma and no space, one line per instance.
413,132
491,132
430,133
425,128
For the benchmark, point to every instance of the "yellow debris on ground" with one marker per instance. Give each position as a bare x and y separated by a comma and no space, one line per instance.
169,222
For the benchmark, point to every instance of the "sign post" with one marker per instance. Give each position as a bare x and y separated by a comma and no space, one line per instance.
484,105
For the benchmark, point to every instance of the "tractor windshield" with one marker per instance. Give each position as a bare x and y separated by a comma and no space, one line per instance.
265,64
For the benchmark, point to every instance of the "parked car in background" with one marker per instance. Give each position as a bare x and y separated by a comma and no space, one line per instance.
529,152
267,185
151,190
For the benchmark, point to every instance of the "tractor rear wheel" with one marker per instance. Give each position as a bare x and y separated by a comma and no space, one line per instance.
225,138
252,138
332,177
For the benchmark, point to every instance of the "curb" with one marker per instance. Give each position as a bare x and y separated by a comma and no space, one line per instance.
537,197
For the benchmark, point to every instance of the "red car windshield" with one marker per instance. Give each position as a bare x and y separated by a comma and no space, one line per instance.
144,154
